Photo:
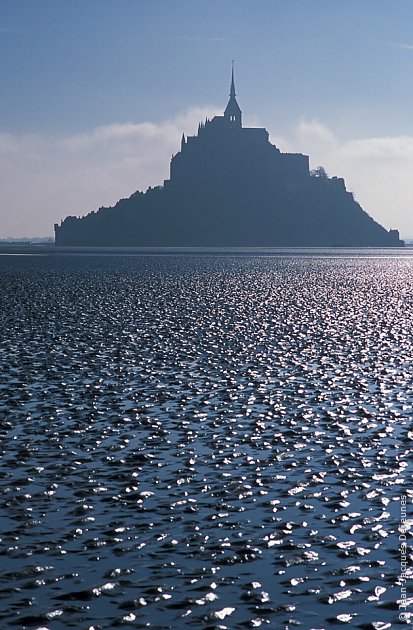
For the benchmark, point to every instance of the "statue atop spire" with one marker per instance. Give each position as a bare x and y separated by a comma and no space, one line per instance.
232,111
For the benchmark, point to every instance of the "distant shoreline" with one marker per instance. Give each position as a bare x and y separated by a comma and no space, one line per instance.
48,249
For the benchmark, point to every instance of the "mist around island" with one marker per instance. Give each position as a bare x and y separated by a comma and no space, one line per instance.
75,174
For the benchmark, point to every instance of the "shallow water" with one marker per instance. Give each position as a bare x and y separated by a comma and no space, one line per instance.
204,441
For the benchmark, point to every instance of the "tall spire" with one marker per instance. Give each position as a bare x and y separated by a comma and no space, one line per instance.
232,111
232,90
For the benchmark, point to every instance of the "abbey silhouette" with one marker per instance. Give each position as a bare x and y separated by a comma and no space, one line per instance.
229,186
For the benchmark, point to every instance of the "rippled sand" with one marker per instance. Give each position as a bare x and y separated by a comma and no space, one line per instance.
204,441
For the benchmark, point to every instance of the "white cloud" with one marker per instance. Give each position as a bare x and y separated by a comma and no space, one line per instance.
308,137
313,132
43,179
380,172
402,46
380,149
377,170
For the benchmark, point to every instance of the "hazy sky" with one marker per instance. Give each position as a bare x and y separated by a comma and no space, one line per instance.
95,94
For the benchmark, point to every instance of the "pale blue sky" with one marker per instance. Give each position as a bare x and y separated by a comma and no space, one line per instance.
329,72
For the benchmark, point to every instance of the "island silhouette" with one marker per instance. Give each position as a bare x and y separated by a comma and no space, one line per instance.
230,187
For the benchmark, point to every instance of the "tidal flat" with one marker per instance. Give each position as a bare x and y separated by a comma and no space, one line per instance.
205,441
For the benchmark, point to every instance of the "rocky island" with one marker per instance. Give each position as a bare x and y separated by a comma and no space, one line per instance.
230,187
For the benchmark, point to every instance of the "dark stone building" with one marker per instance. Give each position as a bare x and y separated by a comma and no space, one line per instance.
229,186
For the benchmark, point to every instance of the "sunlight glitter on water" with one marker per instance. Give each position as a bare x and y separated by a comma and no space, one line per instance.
194,441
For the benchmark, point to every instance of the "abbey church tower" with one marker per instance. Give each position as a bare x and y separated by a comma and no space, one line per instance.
224,151
232,113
